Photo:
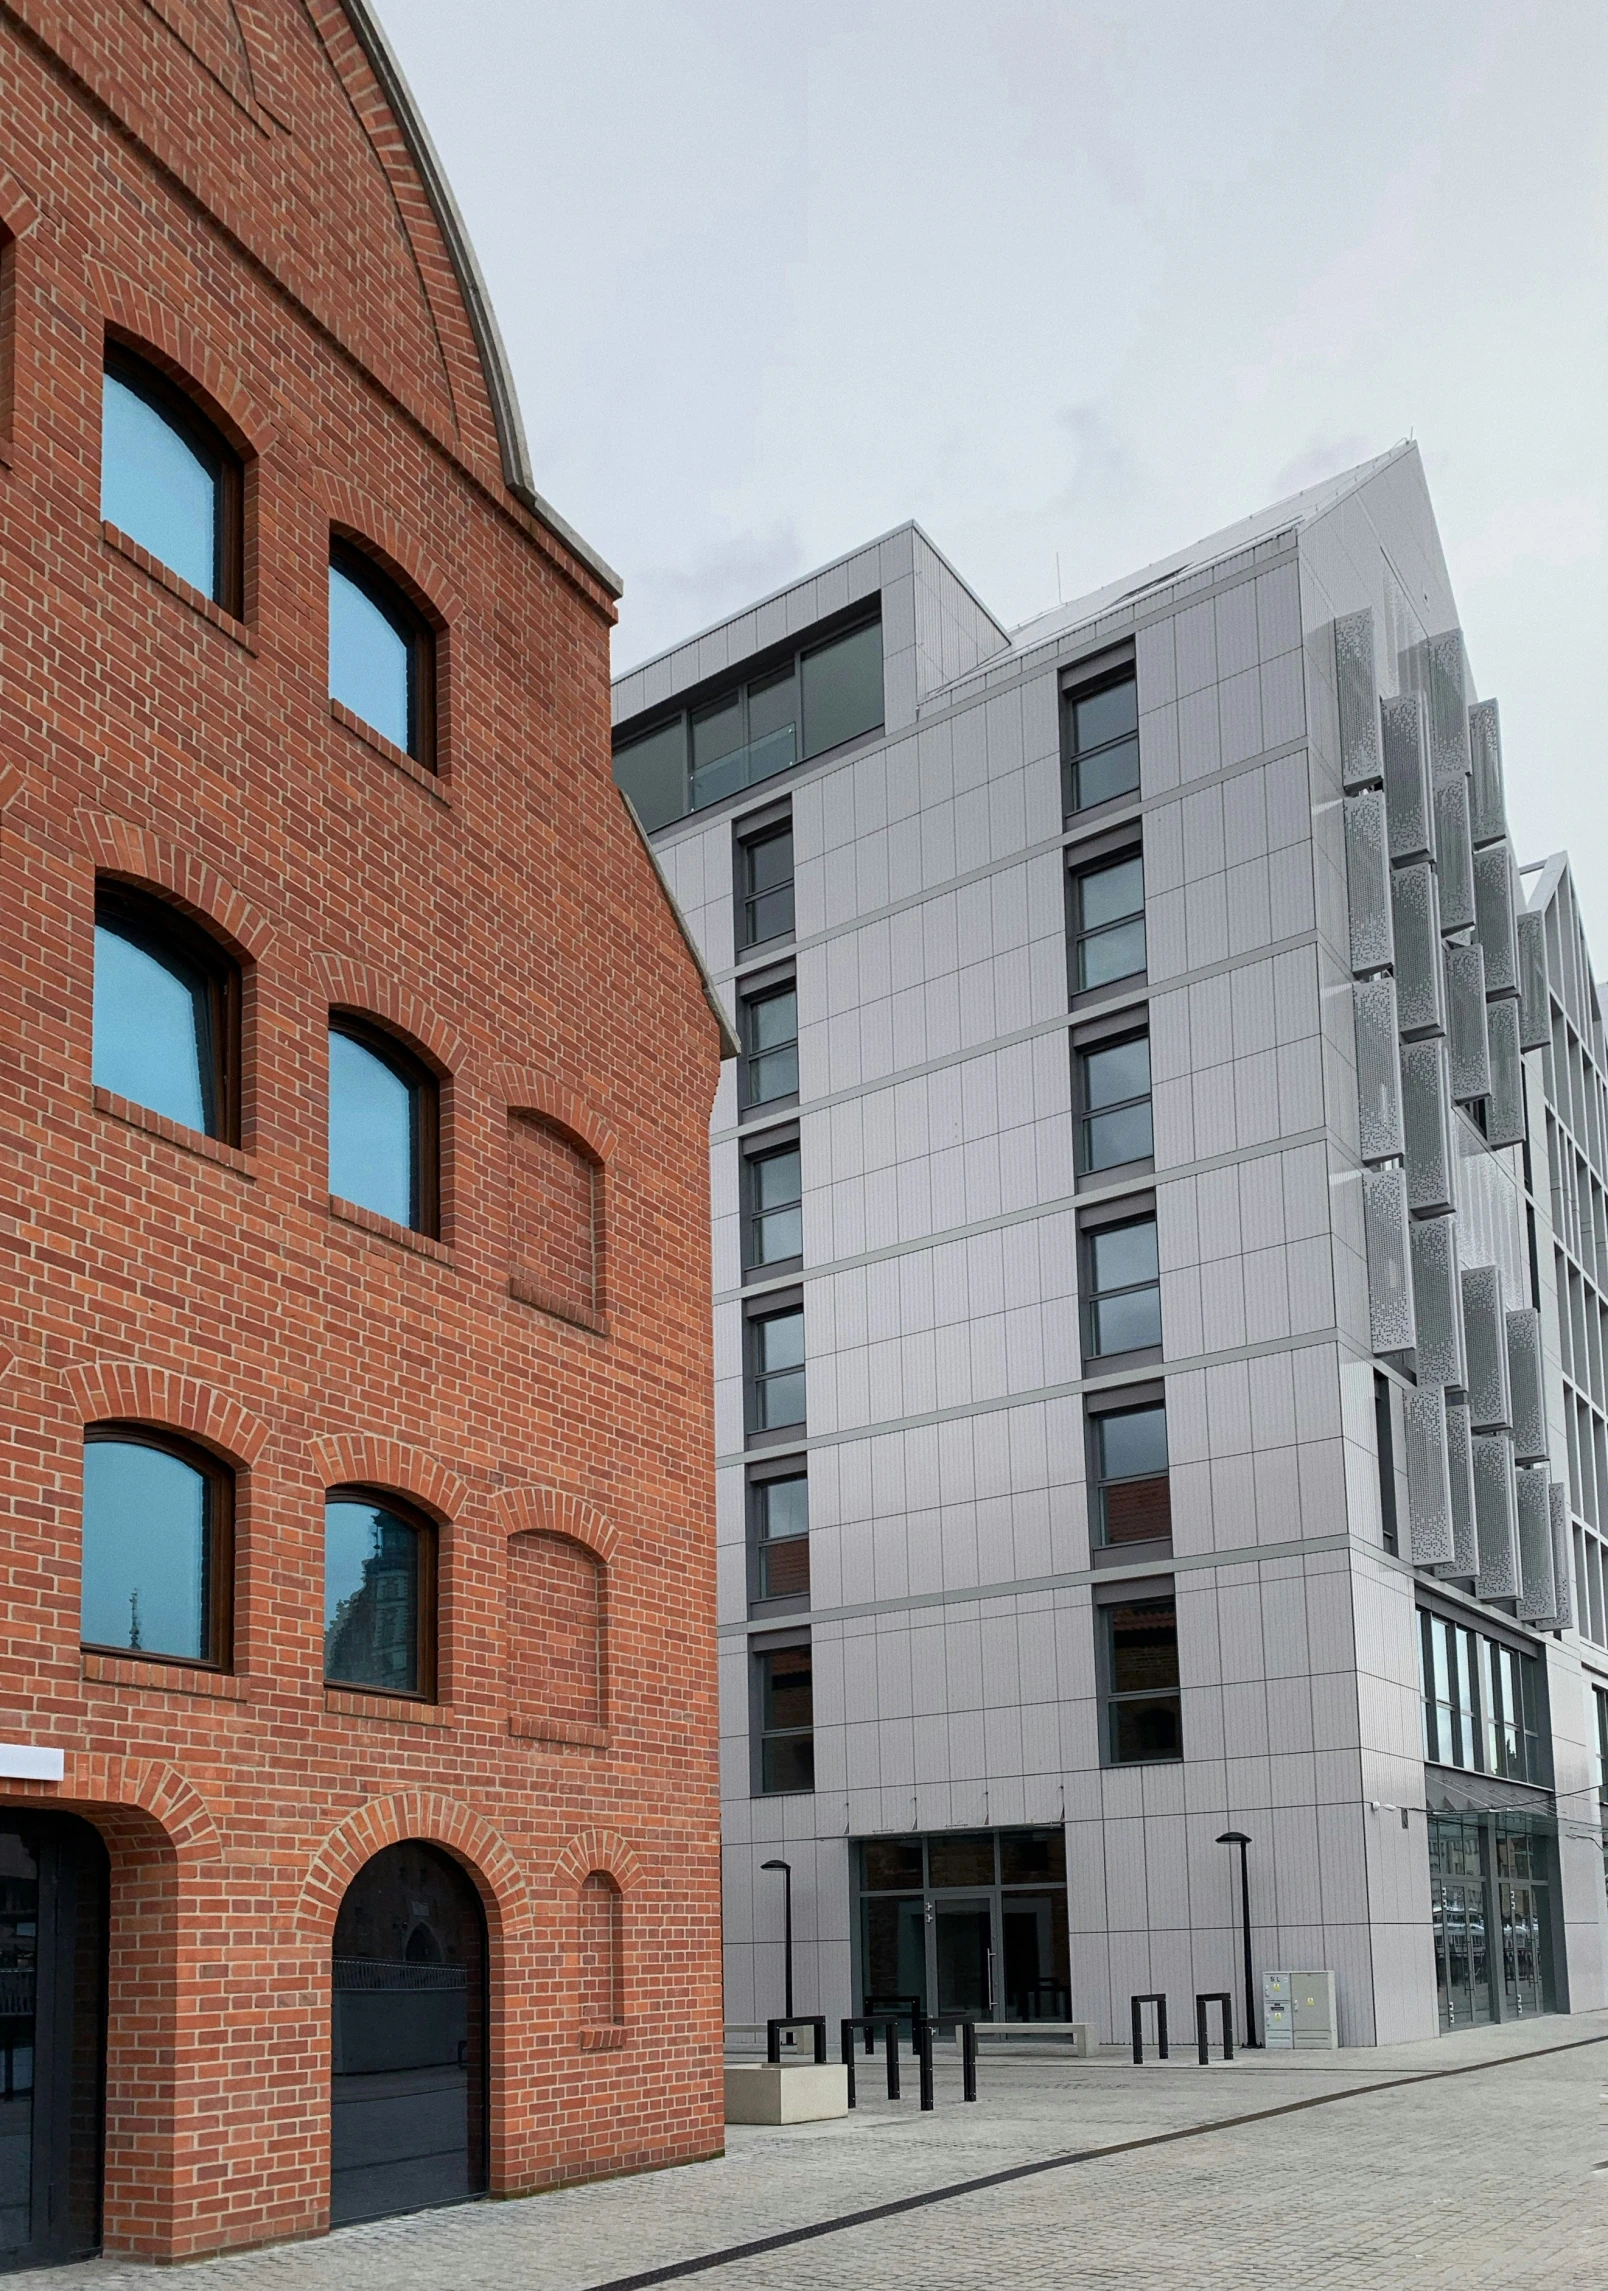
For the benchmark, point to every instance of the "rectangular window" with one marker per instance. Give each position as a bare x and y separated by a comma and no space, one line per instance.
1100,736
1108,923
842,687
779,1520
1385,1453
1123,1310
1113,1095
1144,1712
776,1370
786,1721
773,1212
652,771
765,885
769,1022
1481,1702
1132,1502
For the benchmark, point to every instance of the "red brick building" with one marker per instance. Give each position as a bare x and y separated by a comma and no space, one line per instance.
355,1453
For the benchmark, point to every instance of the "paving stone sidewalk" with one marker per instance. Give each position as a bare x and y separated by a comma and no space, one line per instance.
1487,2178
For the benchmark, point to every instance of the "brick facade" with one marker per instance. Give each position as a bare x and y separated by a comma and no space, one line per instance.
228,190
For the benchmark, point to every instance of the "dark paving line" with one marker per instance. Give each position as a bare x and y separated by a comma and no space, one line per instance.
675,2269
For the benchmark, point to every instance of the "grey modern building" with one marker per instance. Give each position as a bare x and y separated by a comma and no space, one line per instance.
1161,1253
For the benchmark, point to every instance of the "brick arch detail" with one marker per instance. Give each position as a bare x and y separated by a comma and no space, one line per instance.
118,847
558,1511
525,1091
358,1459
354,986
13,779
413,1814
19,210
590,1851
133,312
173,1804
356,513
106,1390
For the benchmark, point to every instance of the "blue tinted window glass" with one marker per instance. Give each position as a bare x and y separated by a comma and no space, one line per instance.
370,660
152,1032
371,1597
157,487
371,1132
145,1551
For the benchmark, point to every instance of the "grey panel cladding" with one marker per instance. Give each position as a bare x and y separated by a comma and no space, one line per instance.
1448,705
1426,1107
1415,914
1490,1398
1487,808
1469,1051
1526,1386
1535,1007
1358,694
1429,1482
1378,1069
1493,917
1437,1303
1538,1597
1454,855
1504,1108
1496,1516
1465,1559
1562,1585
1368,882
1385,1225
1408,803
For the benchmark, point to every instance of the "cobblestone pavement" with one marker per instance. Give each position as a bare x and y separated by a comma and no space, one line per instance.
1483,2179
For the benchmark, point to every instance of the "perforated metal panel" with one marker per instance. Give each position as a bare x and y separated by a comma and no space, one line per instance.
1437,1302
1535,1008
1454,854
1429,1482
1490,1399
1465,1559
1358,695
1391,1326
1562,1576
1426,1110
1525,1383
1504,1108
1467,1049
1420,1001
1538,1596
1487,807
1493,910
1378,1070
1368,882
1448,704
1408,804
1496,1516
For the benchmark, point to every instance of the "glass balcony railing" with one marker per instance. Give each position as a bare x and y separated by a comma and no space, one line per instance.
743,767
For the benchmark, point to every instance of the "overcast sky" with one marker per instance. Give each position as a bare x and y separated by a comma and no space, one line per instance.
1057,278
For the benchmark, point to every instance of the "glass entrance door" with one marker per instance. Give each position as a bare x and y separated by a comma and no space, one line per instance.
1462,1970
1521,1908
968,1922
963,1932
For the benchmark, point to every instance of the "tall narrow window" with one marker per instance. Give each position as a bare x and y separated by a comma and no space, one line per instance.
157,1556
1132,1498
167,1013
1114,1124
168,480
779,1514
379,1595
1108,923
765,884
1144,1711
776,1369
769,1017
383,1127
774,1221
1385,1455
786,1721
1101,741
381,654
1124,1288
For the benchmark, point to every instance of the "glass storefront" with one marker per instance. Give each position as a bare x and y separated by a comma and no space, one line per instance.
968,1922
1489,1882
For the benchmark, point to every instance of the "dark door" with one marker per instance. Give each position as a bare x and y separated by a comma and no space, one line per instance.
1038,1968
53,1897
407,2105
965,1953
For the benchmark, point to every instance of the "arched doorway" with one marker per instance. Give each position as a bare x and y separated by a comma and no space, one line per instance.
53,1904
408,2091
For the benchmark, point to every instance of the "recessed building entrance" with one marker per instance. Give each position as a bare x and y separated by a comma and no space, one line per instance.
1490,1912
53,1896
408,2094
972,1922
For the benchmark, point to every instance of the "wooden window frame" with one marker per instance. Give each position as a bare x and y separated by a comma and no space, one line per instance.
177,406
424,1086
136,912
427,1647
384,591
220,1533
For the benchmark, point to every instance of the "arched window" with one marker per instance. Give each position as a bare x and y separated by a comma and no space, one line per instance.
381,654
384,1126
602,1981
168,479
157,1547
379,1595
167,1013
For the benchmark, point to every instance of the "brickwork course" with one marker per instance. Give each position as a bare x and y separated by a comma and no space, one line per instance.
229,190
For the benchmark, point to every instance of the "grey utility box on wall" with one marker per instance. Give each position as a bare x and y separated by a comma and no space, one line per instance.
1298,2012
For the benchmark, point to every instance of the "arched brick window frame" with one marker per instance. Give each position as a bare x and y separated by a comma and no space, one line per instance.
597,1873
365,526
541,1115
359,991
560,1518
485,1854
355,1460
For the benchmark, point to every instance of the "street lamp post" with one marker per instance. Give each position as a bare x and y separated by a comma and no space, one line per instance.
1239,1838
786,1869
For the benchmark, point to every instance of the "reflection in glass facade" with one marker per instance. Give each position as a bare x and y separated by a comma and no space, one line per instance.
147,1518
370,660
371,1597
968,1922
